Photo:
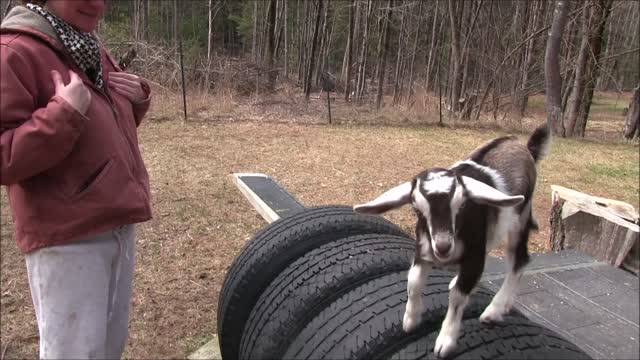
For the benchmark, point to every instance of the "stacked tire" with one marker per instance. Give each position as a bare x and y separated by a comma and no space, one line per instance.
328,283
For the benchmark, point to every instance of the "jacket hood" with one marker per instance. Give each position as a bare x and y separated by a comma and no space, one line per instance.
21,19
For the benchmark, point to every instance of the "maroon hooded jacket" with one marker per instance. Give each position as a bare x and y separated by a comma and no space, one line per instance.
69,176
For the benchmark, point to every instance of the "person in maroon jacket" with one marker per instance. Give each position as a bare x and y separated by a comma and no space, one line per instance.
72,168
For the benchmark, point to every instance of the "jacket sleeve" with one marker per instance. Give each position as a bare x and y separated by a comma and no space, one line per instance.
32,139
140,109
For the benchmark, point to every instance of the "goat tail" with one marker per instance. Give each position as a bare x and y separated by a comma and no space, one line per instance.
539,142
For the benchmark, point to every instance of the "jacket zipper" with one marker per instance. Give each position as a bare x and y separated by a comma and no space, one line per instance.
120,131
123,135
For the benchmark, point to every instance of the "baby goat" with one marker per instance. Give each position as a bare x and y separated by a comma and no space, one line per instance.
462,213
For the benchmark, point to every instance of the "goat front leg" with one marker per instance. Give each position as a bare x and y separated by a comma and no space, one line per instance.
416,281
503,301
517,259
460,289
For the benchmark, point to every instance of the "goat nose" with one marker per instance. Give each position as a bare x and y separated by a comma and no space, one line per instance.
443,247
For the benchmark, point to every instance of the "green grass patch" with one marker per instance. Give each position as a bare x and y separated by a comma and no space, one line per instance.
602,104
613,171
537,102
609,105
606,170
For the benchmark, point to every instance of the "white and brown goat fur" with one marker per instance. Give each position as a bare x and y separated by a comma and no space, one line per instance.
462,213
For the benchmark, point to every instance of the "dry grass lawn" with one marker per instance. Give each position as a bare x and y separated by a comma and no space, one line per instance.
201,221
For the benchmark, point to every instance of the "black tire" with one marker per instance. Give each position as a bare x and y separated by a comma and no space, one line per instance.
515,338
272,250
366,323
312,282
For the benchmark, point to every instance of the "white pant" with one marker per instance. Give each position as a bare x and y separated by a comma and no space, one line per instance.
81,294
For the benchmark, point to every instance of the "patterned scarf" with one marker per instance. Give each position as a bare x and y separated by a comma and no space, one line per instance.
83,47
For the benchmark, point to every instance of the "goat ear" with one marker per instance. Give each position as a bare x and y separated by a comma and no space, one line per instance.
484,194
391,199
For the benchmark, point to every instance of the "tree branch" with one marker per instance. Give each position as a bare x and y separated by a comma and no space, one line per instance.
621,54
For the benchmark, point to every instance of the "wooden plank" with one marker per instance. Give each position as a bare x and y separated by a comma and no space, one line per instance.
597,226
616,207
210,351
272,194
270,199
261,207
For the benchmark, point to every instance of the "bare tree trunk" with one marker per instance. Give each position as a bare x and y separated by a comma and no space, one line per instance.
566,92
286,39
278,27
399,60
526,24
430,59
325,49
139,20
254,40
415,52
263,24
349,55
539,8
307,33
456,57
632,123
271,42
380,27
552,68
175,24
209,45
169,23
568,62
212,14
607,51
465,74
136,19
465,46
354,8
300,36
307,89
579,82
303,42
324,39
145,20
382,53
601,14
362,67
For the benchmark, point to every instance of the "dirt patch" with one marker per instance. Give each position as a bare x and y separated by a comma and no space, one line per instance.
201,221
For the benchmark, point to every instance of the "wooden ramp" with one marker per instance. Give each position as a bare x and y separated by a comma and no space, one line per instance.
268,198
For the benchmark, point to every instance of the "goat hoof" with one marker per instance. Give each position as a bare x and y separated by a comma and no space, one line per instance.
410,322
492,315
444,345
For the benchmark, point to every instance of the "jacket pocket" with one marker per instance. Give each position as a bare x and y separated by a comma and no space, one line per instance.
93,180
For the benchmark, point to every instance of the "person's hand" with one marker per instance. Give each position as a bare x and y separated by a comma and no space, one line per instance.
75,93
127,85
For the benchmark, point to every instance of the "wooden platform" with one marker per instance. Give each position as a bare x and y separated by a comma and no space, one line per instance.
592,304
